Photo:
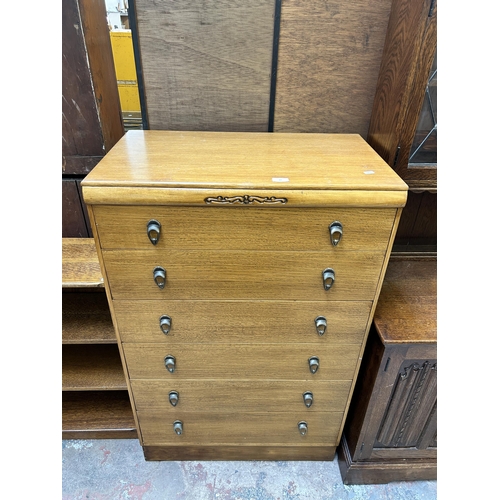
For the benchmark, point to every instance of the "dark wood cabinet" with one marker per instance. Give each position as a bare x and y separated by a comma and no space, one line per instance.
91,113
403,123
391,428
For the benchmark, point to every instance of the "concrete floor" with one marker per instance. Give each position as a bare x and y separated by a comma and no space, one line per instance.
111,469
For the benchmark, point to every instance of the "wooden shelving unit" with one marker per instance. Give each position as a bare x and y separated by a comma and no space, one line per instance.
95,401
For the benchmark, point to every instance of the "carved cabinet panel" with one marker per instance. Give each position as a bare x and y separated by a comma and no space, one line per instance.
409,420
391,429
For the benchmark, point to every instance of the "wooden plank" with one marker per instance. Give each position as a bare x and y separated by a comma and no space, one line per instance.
206,64
86,319
97,415
92,367
100,57
81,129
407,306
328,63
80,264
73,218
239,452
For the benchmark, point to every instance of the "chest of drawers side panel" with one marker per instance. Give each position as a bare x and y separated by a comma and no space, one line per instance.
113,317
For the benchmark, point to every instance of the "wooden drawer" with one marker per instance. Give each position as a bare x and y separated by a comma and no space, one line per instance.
241,361
242,395
239,428
213,274
213,321
244,228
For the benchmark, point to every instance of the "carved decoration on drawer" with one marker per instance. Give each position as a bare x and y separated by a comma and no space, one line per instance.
411,405
245,200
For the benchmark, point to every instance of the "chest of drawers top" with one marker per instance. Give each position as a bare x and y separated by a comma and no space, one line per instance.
232,168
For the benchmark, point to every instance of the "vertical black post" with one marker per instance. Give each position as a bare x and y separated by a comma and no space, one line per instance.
132,19
274,64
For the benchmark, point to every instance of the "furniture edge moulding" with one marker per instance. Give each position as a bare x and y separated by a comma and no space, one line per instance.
95,195
113,316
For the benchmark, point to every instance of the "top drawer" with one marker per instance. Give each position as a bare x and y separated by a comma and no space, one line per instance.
244,228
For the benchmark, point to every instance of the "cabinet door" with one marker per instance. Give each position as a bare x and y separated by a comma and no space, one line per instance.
404,419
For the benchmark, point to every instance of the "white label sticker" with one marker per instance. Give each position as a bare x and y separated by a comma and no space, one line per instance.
281,179
368,172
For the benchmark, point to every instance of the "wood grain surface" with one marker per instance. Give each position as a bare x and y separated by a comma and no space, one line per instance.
100,58
218,160
80,264
237,228
241,361
407,59
206,63
86,319
407,306
328,64
91,368
239,452
233,428
213,396
241,321
97,415
242,274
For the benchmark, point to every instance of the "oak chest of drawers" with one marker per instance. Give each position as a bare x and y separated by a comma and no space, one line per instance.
242,272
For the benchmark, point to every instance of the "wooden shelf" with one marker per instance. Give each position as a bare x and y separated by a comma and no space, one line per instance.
95,400
91,368
80,265
97,415
86,319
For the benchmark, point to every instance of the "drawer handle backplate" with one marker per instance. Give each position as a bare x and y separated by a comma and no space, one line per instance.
173,397
335,232
302,428
160,276
178,427
154,229
165,324
313,364
170,363
320,323
308,399
328,278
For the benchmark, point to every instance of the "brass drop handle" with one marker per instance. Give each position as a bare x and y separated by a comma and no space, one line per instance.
170,363
313,364
335,232
154,228
178,427
308,399
302,428
160,276
328,278
320,323
165,324
173,397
